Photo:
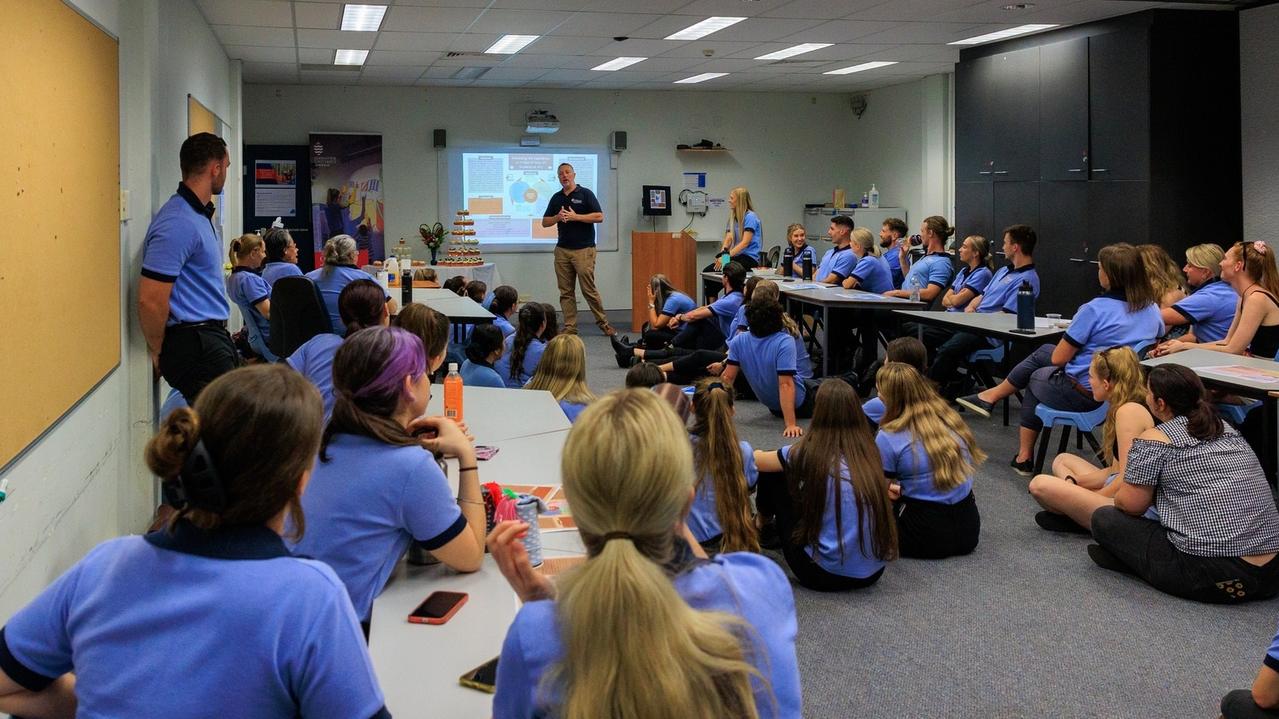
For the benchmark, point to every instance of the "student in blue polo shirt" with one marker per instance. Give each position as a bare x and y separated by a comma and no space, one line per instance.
720,517
522,350
628,474
838,262
361,304
743,234
483,350
703,328
929,457
562,372
1127,314
212,615
505,300
664,302
930,274
376,487
766,357
338,271
182,305
973,275
1209,309
871,273
999,295
892,235
248,291
281,255
797,238
831,488
907,350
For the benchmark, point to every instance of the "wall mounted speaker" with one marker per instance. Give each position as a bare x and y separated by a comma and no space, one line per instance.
438,138
617,140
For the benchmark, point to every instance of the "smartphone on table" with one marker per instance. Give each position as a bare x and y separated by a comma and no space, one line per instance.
438,608
483,677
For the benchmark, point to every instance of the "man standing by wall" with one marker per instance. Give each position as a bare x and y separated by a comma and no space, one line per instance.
575,211
182,303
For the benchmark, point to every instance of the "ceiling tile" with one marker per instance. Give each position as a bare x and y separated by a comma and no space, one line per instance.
909,10
471,42
439,72
328,77
485,82
719,49
604,24
725,64
822,9
318,15
389,58
662,64
579,62
570,77
275,13
763,29
722,8
315,55
522,74
567,5
636,48
336,39
402,18
414,41
250,53
607,84
839,31
260,36
555,45
444,3
649,6
270,72
444,82
928,32
521,22
406,74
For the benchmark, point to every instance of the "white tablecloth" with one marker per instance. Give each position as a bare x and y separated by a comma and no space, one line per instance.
486,273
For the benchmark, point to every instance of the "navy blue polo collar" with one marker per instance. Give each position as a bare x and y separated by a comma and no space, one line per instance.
1115,295
1209,282
204,209
1023,268
242,268
239,542
841,249
942,253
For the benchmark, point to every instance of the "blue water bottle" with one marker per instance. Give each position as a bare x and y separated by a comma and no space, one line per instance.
1025,307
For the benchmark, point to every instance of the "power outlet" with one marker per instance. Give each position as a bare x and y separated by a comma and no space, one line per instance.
124,205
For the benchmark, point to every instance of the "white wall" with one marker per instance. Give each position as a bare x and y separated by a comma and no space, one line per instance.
787,149
84,480
1258,68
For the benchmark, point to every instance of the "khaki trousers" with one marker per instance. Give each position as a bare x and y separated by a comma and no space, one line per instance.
579,266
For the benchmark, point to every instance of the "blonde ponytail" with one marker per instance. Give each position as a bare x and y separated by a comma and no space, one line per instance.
718,459
627,470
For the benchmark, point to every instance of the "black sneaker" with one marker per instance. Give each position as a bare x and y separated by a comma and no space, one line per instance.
977,404
624,351
1054,522
1106,559
768,537
1025,468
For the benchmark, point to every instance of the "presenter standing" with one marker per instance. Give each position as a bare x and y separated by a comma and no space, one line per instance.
182,303
575,211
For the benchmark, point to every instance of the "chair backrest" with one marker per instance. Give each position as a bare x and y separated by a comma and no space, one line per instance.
297,314
774,255
256,341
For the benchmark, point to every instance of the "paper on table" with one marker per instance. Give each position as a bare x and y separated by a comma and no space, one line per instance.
805,286
1250,374
868,296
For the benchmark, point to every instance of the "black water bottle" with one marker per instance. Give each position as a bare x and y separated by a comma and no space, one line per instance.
808,267
1025,307
788,261
406,288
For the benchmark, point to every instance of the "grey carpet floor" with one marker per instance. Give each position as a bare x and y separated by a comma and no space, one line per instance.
1026,626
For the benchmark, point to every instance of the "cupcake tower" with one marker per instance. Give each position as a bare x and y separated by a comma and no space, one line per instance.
464,246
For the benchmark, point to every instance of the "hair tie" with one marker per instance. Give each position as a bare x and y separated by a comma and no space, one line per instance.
716,385
617,535
1259,246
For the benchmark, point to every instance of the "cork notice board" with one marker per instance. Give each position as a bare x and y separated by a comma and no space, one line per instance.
59,192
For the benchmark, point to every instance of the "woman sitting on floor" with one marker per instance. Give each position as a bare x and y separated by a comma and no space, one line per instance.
930,456
766,357
522,350
505,299
562,372
702,638
484,349
1262,701
831,506
720,518
664,302
1077,487
1218,531
907,350
430,326
1127,314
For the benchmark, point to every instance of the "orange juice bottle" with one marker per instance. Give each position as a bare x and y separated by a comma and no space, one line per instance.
453,394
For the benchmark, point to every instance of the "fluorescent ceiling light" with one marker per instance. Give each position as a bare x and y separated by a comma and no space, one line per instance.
510,44
700,78
860,68
704,28
793,51
350,57
362,18
1002,34
618,63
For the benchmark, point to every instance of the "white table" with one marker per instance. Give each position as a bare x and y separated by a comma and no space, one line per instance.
418,665
497,414
486,273
1000,325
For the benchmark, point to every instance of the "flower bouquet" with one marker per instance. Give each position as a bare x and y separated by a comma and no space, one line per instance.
433,237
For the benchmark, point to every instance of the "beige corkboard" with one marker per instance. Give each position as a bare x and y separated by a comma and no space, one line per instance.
59,195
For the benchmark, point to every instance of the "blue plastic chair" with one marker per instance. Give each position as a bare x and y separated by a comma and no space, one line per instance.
1083,422
977,368
1236,413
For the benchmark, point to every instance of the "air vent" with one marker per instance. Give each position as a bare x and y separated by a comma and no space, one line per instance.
469,73
318,67
453,53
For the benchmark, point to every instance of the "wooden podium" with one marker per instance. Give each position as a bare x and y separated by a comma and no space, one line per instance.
673,254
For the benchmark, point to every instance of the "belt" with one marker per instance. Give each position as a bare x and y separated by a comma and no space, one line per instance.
195,325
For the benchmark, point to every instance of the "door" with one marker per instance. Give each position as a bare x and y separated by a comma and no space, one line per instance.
1014,116
973,86
1118,212
1063,110
1119,105
974,209
277,183
1064,255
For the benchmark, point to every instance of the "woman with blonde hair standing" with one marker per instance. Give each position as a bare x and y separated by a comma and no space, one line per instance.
743,235
686,636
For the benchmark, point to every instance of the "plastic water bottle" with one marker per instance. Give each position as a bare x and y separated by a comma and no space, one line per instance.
874,196
453,394
406,288
788,261
808,267
915,288
865,199
392,266
1025,307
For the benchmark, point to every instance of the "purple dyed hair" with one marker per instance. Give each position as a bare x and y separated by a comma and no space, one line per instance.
405,357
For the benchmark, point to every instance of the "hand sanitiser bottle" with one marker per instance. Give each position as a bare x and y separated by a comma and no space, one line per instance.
453,394
874,196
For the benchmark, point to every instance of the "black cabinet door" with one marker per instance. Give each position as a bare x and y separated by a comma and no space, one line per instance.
1015,203
1014,115
974,84
1063,110
1063,254
974,210
1119,105
1118,212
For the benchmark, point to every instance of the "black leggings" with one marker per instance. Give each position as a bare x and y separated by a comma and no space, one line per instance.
703,334
1238,704
933,530
1142,545
773,498
654,339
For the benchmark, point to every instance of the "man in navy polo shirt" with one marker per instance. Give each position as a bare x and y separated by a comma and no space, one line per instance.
182,303
574,212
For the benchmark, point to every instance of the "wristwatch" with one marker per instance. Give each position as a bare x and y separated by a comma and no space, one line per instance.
650,305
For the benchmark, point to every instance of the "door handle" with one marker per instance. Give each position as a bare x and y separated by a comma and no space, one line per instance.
1098,169
1001,172
1075,169
983,172
1083,260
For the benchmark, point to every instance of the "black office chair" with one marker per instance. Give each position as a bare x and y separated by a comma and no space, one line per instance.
297,314
773,256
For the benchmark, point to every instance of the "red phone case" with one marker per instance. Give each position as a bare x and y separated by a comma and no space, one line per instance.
443,619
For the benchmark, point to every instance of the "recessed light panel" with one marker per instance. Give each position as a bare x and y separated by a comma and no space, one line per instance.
859,68
1002,34
362,18
510,44
793,51
705,27
618,63
700,78
350,57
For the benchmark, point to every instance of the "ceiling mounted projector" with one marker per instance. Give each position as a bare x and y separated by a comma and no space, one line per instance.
541,122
